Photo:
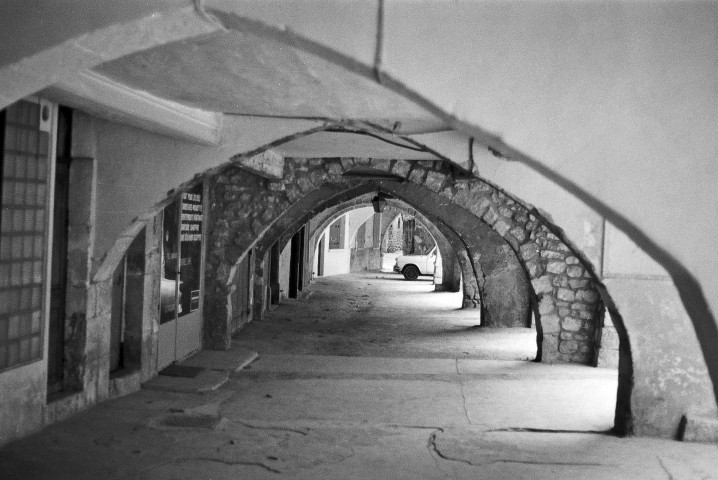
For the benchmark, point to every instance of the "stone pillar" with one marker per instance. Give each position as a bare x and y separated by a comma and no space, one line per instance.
151,312
670,379
375,261
80,242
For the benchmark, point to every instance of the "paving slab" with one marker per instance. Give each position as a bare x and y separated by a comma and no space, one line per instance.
232,360
531,369
586,404
397,402
328,364
205,381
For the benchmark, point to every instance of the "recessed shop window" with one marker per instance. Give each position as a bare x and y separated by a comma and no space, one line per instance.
181,273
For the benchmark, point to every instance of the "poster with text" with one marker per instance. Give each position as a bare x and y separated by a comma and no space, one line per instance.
191,216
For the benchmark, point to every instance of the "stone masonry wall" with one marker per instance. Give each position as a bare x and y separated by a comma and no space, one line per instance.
244,208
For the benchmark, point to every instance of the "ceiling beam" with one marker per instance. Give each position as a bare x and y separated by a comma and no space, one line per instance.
90,41
115,101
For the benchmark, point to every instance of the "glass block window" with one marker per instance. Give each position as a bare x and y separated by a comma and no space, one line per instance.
24,162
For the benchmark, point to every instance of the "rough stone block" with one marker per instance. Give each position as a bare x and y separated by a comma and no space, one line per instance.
574,271
572,260
502,226
335,168
447,192
565,294
542,284
529,250
401,168
564,311
417,175
293,194
479,207
480,187
518,233
381,164
546,305
434,181
571,324
578,283
587,295
549,348
304,184
535,269
561,247
506,212
568,346
267,164
551,323
551,254
347,163
556,267
318,177
491,216
580,337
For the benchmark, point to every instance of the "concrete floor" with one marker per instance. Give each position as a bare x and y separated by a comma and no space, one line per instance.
383,315
316,407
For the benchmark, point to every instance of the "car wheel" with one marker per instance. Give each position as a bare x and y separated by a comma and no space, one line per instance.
411,272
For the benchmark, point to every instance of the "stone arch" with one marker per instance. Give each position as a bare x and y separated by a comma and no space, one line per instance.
452,267
476,240
566,299
447,238
329,215
566,294
446,248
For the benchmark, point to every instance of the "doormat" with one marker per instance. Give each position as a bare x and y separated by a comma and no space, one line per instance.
183,371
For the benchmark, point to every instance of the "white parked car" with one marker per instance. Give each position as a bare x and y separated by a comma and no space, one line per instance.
411,266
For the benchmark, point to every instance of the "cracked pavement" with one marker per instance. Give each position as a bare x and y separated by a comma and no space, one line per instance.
315,411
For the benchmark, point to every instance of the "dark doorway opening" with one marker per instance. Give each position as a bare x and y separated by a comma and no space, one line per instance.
58,279
320,258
